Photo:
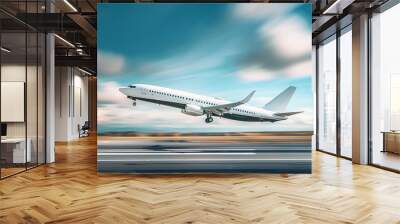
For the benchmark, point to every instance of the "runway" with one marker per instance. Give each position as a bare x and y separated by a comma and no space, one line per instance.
152,154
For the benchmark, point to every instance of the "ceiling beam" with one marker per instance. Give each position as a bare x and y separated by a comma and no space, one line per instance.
77,61
86,26
337,6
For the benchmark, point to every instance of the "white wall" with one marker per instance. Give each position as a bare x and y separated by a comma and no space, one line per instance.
33,126
80,104
17,73
62,82
71,102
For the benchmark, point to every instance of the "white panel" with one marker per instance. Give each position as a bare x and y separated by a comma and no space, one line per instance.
12,101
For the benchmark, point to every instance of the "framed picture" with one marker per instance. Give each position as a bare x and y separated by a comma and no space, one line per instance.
195,87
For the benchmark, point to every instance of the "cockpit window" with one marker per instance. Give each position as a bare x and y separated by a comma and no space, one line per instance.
132,86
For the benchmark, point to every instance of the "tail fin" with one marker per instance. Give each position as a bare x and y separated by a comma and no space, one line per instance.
280,102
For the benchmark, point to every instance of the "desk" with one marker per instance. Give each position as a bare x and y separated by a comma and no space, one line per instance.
18,149
391,142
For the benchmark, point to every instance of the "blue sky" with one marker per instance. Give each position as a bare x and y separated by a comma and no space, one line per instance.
223,50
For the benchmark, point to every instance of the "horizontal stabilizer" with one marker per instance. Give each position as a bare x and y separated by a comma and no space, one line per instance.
280,102
287,114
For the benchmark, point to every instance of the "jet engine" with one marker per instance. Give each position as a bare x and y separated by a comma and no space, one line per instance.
193,110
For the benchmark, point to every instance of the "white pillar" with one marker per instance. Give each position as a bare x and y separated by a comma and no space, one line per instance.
50,92
50,98
360,90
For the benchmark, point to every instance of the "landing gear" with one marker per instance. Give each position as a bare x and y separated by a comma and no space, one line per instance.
134,103
209,119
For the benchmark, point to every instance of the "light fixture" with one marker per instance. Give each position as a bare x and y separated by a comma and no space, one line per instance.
329,9
5,50
84,71
64,40
80,51
337,7
70,5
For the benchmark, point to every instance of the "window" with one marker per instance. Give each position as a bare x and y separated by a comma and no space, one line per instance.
327,95
385,89
346,93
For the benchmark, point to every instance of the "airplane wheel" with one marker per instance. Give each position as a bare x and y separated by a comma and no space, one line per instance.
209,119
134,103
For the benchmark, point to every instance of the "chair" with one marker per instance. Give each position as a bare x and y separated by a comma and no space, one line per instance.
84,130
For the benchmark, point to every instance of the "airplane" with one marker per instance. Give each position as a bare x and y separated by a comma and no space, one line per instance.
199,105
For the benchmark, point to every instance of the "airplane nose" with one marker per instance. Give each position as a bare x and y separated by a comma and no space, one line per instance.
124,91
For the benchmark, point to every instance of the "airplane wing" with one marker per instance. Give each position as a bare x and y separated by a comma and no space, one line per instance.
218,109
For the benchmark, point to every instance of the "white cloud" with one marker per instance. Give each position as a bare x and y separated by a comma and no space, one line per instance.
290,37
110,63
262,11
301,69
109,93
254,73
189,64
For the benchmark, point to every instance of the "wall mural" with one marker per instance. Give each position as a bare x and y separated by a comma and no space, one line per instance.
204,88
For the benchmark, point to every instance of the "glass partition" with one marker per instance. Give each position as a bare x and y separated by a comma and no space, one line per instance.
22,91
14,153
31,97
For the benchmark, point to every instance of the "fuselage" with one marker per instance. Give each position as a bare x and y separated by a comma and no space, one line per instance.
192,104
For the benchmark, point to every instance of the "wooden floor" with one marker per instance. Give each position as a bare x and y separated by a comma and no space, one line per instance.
71,191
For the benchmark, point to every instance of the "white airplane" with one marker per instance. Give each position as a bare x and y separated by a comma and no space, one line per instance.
199,105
